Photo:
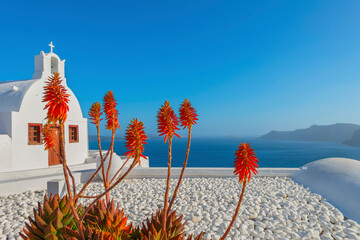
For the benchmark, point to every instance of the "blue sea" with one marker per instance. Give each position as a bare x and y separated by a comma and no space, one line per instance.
219,152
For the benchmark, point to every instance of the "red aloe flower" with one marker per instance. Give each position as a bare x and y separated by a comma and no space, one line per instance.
95,113
135,139
245,162
111,113
49,140
188,115
56,99
167,121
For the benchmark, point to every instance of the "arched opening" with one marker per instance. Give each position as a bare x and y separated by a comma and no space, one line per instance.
54,65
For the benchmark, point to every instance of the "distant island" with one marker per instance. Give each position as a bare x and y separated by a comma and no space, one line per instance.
346,133
355,140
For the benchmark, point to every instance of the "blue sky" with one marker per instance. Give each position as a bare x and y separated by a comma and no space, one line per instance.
247,66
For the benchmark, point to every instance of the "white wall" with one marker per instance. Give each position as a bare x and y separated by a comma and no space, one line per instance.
14,121
5,153
43,65
27,156
77,152
5,123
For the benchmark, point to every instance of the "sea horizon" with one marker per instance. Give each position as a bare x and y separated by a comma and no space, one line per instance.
219,151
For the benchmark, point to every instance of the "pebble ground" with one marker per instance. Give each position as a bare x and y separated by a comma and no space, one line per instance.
273,208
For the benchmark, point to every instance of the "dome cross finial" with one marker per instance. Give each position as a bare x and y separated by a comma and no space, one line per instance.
51,46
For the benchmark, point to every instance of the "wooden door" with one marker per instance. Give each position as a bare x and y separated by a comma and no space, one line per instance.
54,156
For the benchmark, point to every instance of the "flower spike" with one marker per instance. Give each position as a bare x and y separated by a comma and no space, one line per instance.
135,139
49,140
56,99
167,121
111,113
188,115
245,162
95,113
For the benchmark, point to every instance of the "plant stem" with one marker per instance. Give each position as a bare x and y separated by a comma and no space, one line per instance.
65,168
73,181
102,161
84,196
100,152
111,154
118,171
98,138
182,170
69,171
62,154
98,169
78,221
109,166
167,186
236,211
90,180
111,187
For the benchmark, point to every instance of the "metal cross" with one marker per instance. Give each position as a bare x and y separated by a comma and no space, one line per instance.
51,46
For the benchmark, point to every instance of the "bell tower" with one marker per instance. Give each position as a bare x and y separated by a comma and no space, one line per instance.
48,63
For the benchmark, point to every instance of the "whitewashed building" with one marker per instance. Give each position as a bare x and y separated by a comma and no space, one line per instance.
22,117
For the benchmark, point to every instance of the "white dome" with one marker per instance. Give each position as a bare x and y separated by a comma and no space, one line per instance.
10,98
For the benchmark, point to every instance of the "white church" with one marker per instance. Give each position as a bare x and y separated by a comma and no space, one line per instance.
22,118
